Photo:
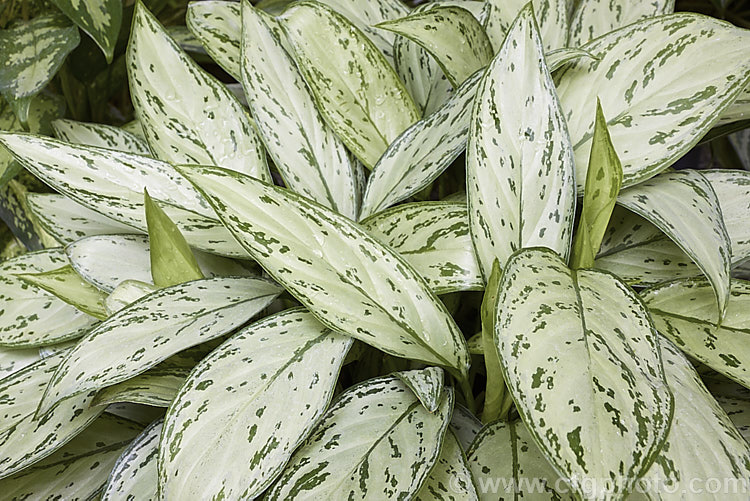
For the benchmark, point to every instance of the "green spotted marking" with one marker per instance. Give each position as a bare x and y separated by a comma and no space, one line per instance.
187,115
103,136
221,435
451,35
168,320
655,111
434,238
427,385
101,19
551,15
12,361
551,318
311,159
218,26
450,478
134,474
350,281
594,18
519,160
376,441
356,90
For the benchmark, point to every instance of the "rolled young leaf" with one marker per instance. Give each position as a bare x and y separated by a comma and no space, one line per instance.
169,320
603,182
550,318
350,452
356,90
309,156
519,161
64,283
460,46
185,111
659,90
289,362
350,281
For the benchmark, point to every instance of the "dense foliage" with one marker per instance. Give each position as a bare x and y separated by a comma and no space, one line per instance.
344,249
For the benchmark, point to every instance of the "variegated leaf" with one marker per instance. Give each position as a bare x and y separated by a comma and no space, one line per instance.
460,45
108,260
103,136
13,360
732,188
112,183
422,152
507,464
349,280
603,183
127,293
376,441
465,425
357,91
734,399
169,320
33,53
31,316
594,18
101,19
450,478
64,283
135,475
15,214
558,57
309,156
434,238
685,311
551,16
187,115
655,110
218,26
427,385
68,221
156,387
365,14
738,110
640,253
289,354
136,413
550,318
519,161
685,207
79,470
702,443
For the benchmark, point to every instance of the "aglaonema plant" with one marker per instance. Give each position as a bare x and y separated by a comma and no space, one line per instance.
431,253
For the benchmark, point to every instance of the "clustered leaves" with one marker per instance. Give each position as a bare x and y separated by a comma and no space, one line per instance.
429,253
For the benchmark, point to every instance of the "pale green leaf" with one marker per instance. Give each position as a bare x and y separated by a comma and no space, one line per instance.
603,183
451,35
685,207
33,52
506,461
738,110
465,425
732,189
101,19
112,183
172,260
126,293
702,444
551,16
594,18
64,283
685,311
659,90
519,160
30,315
224,435
168,320
104,136
434,238
218,26
427,385
422,152
551,318
356,90
350,454
137,413
496,399
365,14
187,115
68,221
78,470
450,478
105,261
734,399
309,156
13,360
349,280
135,475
